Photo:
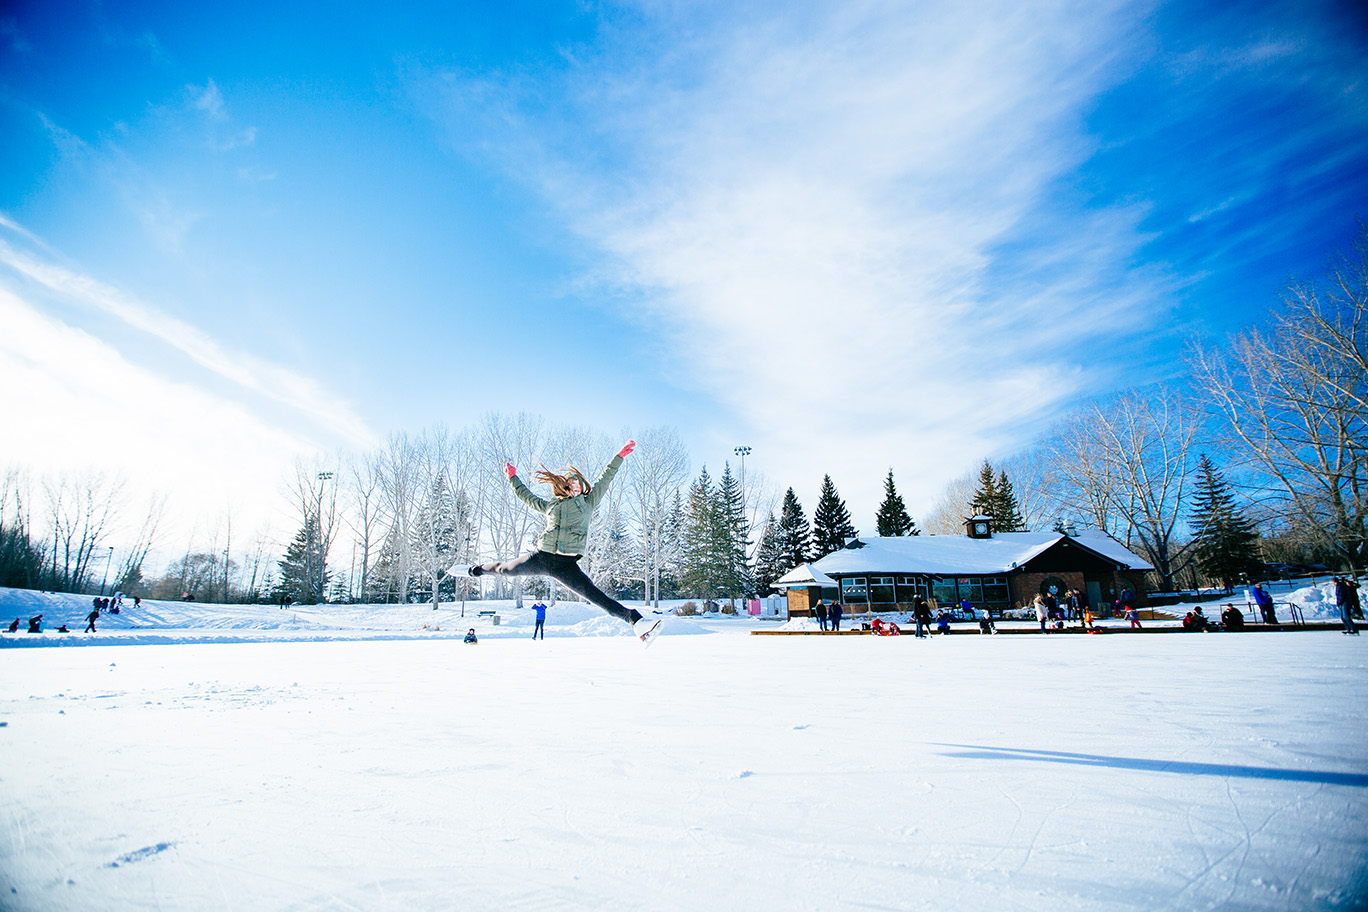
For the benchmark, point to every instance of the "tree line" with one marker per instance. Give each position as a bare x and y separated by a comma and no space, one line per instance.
1259,454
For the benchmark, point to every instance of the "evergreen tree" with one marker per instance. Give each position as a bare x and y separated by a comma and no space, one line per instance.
893,520
1008,518
702,540
831,527
984,500
769,557
795,536
994,497
734,542
1225,542
303,575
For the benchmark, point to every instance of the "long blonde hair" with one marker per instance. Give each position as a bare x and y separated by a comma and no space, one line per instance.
560,484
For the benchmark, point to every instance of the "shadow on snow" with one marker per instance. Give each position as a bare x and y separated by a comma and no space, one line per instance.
980,752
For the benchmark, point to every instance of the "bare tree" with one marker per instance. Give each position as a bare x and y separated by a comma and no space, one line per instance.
952,507
362,483
81,508
444,510
131,566
654,475
507,525
1128,460
398,469
1295,402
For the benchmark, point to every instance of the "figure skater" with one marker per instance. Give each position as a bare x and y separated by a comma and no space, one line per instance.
561,545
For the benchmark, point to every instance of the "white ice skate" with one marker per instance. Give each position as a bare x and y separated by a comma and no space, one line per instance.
647,629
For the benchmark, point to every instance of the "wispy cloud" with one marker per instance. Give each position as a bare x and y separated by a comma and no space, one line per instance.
72,401
814,209
278,384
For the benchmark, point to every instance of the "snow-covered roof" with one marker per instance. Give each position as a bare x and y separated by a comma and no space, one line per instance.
951,555
803,575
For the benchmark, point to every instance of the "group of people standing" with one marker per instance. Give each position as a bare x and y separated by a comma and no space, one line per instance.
828,616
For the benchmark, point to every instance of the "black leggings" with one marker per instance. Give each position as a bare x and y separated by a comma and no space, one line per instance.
564,569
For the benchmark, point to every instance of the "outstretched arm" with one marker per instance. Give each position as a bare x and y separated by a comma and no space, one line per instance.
601,486
520,489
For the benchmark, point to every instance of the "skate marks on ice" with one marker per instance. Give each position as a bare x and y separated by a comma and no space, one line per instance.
142,854
1184,767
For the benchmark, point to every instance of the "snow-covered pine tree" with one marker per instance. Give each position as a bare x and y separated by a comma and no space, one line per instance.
1226,543
893,519
795,536
831,527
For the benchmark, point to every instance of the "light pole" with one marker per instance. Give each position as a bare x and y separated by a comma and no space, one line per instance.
743,452
108,558
317,579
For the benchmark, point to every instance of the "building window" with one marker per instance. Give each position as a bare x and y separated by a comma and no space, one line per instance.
853,590
909,587
995,589
881,590
970,588
943,590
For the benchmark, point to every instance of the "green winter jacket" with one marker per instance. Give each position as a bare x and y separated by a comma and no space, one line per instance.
567,521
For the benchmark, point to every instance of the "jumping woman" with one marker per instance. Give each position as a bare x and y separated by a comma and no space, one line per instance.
562,543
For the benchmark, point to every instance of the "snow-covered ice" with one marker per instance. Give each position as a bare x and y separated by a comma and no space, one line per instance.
396,768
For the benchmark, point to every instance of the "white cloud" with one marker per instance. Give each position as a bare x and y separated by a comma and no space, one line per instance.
72,401
244,369
811,210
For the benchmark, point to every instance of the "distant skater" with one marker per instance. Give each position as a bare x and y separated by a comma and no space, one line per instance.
540,626
834,613
1346,599
562,543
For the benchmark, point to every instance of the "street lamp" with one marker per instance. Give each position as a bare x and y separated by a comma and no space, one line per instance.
108,558
743,452
317,579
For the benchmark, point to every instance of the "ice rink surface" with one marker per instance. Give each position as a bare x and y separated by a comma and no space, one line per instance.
721,771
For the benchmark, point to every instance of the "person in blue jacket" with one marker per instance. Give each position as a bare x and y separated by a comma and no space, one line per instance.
540,627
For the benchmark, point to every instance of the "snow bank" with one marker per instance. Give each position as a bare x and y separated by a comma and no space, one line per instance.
160,622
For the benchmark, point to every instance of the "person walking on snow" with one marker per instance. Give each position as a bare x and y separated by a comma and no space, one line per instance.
1041,612
90,621
562,543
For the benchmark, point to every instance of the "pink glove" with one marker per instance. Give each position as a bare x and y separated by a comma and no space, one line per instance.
627,448
509,470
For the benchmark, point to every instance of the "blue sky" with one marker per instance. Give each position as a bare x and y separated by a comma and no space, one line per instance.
851,236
